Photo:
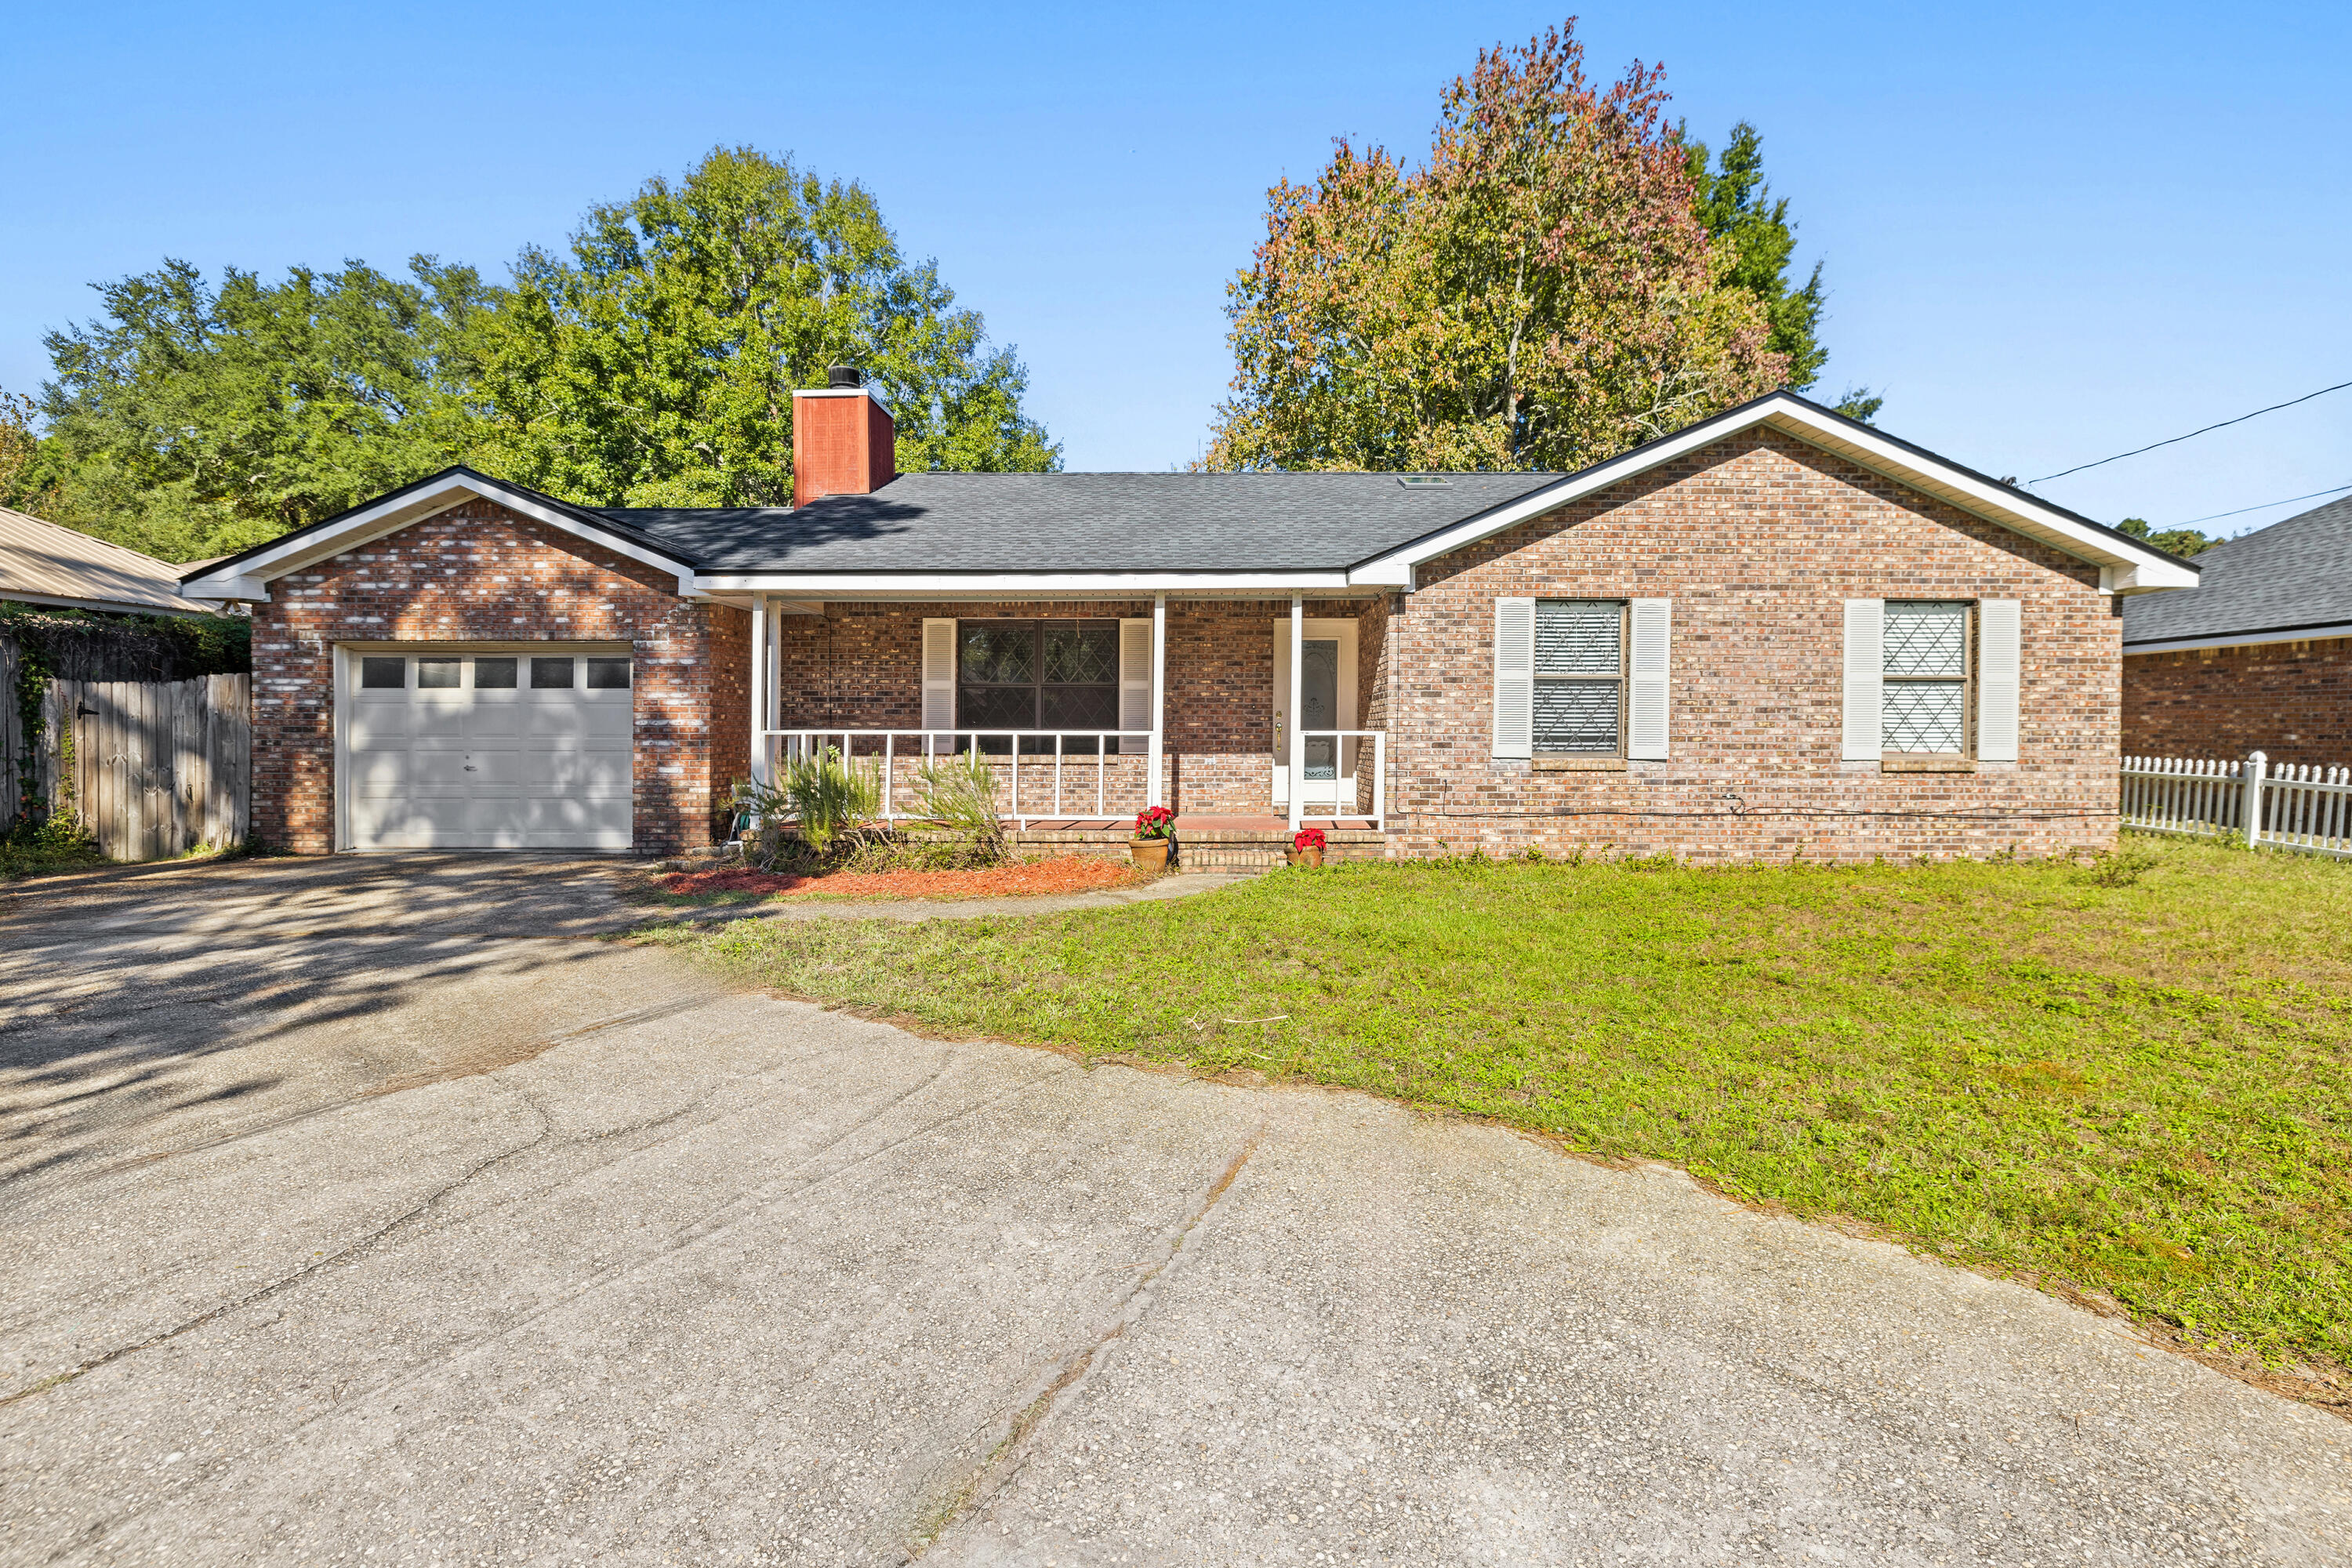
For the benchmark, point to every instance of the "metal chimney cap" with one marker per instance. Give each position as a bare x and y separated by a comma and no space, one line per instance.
844,375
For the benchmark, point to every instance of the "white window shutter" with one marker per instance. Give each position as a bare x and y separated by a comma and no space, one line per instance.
1515,678
1999,663
1135,682
1645,702
939,674
1865,678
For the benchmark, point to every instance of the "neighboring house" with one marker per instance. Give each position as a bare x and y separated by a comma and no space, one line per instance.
2258,657
1777,632
43,563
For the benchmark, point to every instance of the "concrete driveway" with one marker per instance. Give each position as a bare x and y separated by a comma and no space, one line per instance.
370,1211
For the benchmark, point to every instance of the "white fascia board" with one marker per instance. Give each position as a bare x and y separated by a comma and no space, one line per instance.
112,606
389,516
2239,639
235,588
945,586
2146,571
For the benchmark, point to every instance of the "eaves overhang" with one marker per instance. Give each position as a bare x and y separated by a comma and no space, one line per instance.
2127,565
247,575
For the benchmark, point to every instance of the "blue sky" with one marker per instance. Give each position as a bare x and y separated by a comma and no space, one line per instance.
2052,231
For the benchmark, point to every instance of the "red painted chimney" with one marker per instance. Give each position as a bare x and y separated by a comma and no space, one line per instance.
843,440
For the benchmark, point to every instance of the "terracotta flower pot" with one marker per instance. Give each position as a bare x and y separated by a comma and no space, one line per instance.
1150,854
1307,856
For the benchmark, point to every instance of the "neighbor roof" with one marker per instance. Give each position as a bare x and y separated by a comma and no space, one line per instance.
1084,522
43,563
2293,576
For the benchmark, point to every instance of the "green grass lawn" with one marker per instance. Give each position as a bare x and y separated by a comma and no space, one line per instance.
2135,1078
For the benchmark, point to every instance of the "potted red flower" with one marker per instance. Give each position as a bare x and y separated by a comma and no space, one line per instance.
1154,829
1306,846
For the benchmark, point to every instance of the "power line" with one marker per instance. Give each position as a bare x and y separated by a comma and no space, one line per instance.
2152,446
2244,510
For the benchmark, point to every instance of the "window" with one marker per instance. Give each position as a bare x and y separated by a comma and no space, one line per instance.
547,674
440,674
1925,654
494,674
1579,689
381,673
608,675
1037,675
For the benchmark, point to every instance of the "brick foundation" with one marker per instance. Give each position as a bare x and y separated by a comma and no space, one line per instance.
2290,701
479,573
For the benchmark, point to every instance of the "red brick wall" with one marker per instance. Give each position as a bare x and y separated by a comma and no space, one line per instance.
860,667
2290,701
480,574
1757,540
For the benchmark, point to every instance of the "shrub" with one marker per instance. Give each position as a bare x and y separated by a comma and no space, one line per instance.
960,794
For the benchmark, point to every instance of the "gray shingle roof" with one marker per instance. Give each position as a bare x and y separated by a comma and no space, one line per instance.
1083,522
2291,574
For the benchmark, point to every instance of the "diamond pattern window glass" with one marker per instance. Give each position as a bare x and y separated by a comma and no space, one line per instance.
1924,704
1579,676
1037,675
1927,639
1579,636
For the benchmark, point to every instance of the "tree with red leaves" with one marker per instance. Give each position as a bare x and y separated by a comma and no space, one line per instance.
1538,294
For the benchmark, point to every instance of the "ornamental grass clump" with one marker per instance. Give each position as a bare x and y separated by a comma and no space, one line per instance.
960,795
826,796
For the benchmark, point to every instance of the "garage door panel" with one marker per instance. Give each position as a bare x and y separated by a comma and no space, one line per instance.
489,767
440,715
377,725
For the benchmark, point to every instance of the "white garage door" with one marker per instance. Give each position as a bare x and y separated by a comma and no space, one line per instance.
487,750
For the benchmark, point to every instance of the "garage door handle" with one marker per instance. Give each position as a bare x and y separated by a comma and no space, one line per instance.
469,767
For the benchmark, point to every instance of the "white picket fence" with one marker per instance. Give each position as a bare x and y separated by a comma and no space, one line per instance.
2301,807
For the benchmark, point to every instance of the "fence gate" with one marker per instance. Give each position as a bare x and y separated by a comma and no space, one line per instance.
158,766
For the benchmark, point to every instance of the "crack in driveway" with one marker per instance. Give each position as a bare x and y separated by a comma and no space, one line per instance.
1013,1449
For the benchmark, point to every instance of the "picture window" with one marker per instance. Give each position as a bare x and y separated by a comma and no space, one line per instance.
1037,675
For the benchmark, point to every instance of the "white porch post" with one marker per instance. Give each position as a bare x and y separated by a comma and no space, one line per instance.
761,681
1296,760
1156,788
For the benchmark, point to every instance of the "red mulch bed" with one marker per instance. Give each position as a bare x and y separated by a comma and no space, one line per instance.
1026,878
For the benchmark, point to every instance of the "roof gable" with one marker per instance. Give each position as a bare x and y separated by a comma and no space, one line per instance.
2127,566
247,574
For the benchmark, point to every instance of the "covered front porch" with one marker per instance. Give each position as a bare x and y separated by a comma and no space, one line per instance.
1089,710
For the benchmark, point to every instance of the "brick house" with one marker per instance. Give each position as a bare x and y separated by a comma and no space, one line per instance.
2257,658
1776,632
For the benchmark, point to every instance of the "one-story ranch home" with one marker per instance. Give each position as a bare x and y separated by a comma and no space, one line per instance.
1776,632
2258,657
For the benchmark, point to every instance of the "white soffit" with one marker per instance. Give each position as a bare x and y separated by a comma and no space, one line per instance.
248,578
2129,568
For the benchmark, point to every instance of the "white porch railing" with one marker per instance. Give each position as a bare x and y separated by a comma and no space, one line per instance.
2300,807
1349,771
1107,781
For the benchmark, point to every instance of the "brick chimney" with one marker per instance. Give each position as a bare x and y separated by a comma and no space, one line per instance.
843,440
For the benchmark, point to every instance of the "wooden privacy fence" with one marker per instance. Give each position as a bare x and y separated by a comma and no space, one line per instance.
2300,807
157,766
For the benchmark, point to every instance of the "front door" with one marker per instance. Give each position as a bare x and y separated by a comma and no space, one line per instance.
1326,698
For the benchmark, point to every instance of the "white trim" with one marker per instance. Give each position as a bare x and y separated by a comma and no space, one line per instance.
864,392
1156,791
945,588
2135,570
2241,639
761,720
392,514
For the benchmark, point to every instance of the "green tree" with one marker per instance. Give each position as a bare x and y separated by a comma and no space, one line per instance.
2172,541
1538,294
24,477
190,420
655,365
1732,199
